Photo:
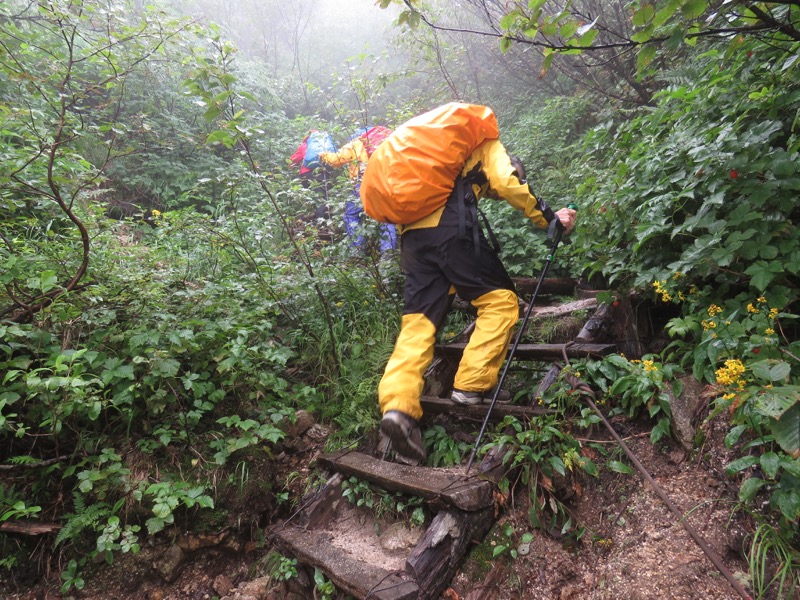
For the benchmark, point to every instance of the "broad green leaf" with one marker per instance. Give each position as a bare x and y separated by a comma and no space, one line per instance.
693,8
645,56
619,467
558,465
750,488
771,370
643,15
644,35
740,464
787,431
770,462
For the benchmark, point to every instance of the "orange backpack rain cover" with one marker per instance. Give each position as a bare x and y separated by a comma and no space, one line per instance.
413,171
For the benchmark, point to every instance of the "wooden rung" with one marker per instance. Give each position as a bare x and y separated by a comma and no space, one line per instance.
432,405
542,352
354,576
448,486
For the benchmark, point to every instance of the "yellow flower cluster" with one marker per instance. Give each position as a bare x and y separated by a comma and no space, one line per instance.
714,310
752,309
649,365
731,373
708,324
661,290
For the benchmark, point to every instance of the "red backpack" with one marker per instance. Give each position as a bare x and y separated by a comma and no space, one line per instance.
373,137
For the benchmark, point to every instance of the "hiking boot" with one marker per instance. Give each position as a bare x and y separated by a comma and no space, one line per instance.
405,434
472,398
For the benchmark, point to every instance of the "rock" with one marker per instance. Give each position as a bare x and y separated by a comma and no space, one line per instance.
303,422
222,585
685,408
400,538
170,563
257,589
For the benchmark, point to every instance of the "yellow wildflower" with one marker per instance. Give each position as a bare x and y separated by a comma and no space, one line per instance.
649,365
761,299
729,396
731,372
661,289
769,331
714,310
752,309
708,324
773,313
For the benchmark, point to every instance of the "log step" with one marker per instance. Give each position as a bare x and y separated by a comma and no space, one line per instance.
450,487
541,352
355,576
433,405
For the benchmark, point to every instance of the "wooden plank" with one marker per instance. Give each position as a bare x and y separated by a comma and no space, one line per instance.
321,510
559,310
542,352
453,489
550,286
434,561
444,406
347,573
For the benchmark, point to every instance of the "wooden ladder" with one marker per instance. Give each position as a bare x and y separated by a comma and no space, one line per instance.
465,506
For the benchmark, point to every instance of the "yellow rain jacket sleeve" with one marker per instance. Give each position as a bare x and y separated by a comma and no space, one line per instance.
502,184
353,154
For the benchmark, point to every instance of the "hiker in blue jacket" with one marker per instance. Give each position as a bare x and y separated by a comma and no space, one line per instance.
355,155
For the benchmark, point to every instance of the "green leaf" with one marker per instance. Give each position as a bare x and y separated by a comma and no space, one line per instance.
774,402
693,8
645,35
643,15
660,431
740,464
619,467
750,488
787,431
762,273
772,370
558,465
770,462
589,466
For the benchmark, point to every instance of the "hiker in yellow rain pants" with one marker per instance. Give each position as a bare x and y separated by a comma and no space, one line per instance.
447,253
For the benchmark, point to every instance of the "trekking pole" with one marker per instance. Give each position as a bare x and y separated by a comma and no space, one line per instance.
559,230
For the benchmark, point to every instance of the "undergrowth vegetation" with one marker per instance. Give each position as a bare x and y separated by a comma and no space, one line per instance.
146,359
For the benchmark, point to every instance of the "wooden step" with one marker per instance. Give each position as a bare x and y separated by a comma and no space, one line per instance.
541,352
448,486
432,405
550,286
349,573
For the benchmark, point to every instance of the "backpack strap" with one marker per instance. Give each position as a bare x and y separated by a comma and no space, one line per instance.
468,202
